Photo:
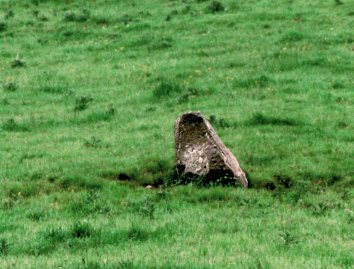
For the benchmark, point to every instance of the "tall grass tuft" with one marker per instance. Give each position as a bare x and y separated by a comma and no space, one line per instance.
82,230
166,88
4,247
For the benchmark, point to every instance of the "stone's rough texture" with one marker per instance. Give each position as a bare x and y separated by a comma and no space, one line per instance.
200,151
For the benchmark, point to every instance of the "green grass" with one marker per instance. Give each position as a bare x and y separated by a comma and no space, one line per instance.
90,90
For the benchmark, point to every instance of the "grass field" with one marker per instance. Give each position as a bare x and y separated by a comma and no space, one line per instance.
90,90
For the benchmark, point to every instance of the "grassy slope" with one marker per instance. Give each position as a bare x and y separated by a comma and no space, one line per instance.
277,76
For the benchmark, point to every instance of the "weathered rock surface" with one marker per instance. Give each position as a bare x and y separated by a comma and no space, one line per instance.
199,150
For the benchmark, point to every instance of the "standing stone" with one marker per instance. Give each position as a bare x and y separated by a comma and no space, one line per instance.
199,150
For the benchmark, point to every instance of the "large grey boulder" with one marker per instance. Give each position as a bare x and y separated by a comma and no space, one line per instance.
199,150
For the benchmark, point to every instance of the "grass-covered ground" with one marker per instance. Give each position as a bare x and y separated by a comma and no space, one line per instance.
90,90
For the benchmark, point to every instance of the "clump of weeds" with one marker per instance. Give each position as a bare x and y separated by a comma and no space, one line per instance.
147,207
9,14
9,86
82,230
93,142
137,233
110,110
188,95
220,122
126,19
74,16
4,247
215,7
11,125
82,103
3,26
17,63
288,239
55,235
166,88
